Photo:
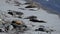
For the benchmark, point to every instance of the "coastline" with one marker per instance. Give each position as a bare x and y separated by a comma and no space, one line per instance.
48,10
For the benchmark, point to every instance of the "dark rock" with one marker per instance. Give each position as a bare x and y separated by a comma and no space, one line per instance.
13,22
40,29
19,13
35,20
1,30
14,26
19,17
30,6
30,17
10,13
25,26
47,31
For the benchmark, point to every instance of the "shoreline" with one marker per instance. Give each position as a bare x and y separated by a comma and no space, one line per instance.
48,10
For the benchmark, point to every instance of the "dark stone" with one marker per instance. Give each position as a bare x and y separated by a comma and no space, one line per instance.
47,31
14,26
40,29
10,13
30,7
25,26
35,20
19,17
42,21
13,22
0,30
19,13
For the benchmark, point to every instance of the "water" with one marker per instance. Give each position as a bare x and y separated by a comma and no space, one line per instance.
52,4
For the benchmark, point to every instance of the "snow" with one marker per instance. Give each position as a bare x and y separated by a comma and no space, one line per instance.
52,20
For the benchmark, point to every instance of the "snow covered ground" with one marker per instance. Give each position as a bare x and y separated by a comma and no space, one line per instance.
52,20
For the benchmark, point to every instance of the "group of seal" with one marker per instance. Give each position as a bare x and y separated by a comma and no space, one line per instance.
34,19
15,13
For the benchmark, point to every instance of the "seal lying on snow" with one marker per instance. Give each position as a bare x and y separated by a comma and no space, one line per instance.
32,4
19,24
31,17
13,25
34,19
15,13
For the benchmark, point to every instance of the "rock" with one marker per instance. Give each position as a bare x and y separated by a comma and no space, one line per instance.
30,7
35,20
25,26
10,13
30,17
40,29
18,13
0,30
